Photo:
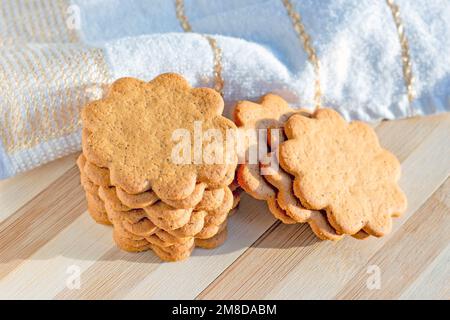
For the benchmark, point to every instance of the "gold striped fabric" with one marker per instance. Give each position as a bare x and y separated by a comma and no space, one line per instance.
217,51
45,21
43,89
306,40
405,55
45,77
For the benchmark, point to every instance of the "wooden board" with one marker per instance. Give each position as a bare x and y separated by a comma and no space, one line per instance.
48,242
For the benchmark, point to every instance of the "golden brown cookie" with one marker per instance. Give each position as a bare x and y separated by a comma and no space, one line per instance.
168,238
99,215
130,132
130,245
137,201
192,200
251,180
220,214
271,111
211,199
109,197
213,242
86,183
174,253
99,176
143,227
341,168
286,199
133,216
194,226
210,229
166,217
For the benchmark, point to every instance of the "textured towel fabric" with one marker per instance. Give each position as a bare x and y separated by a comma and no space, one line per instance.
57,54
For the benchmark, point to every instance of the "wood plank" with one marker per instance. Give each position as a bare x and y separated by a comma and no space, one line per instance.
17,191
321,271
433,283
123,270
183,280
409,252
261,259
44,274
40,220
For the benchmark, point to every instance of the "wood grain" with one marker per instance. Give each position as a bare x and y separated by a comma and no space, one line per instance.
45,232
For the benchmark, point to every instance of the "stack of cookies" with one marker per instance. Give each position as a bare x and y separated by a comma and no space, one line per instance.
322,171
143,167
158,165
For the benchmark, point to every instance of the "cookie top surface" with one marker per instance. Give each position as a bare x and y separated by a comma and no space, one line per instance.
130,131
271,111
341,167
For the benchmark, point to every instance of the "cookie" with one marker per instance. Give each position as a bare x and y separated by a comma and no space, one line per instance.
174,253
194,226
137,201
143,227
220,214
167,217
254,119
192,200
210,229
251,180
130,245
341,168
124,233
109,197
86,183
99,176
119,198
130,133
133,216
286,199
271,111
211,199
213,242
99,215
172,240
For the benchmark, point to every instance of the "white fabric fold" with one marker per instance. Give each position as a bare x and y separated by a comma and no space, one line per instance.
49,69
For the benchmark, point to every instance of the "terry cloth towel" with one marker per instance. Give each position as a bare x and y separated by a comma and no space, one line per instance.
365,56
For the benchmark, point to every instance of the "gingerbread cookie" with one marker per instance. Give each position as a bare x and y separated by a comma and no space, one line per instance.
341,168
211,199
174,253
99,176
271,111
109,197
213,242
143,227
167,217
251,180
130,132
137,201
192,200
194,226
286,199
130,245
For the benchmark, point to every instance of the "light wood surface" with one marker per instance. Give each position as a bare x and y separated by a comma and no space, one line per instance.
46,238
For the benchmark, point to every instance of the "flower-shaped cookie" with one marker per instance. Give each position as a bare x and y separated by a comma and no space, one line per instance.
271,111
132,131
340,167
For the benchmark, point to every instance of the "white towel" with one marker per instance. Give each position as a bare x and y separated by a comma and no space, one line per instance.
55,55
